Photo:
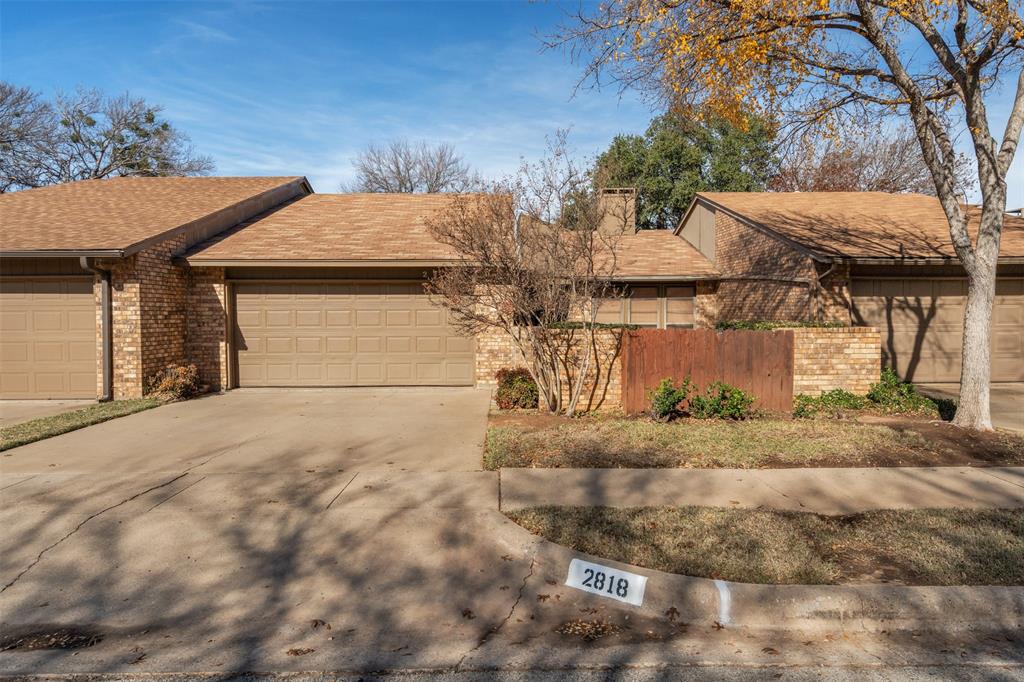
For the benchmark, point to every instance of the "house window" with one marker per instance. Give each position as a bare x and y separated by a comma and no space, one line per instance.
679,306
610,311
644,306
658,306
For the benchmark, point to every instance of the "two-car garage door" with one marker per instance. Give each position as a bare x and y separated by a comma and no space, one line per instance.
347,334
921,322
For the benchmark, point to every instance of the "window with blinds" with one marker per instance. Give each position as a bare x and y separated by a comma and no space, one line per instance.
658,306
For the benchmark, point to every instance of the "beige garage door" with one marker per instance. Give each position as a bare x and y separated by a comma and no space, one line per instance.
47,339
347,334
921,321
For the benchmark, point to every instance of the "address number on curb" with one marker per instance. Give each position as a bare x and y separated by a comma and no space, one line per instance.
608,582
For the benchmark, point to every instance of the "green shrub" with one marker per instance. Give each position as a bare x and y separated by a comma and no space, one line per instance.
666,397
516,389
721,401
892,394
767,325
832,401
175,382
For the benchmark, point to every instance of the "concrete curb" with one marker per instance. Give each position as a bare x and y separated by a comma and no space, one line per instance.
869,608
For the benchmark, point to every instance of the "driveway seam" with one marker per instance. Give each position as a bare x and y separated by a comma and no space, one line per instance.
998,478
20,482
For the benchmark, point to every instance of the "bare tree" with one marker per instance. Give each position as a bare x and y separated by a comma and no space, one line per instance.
855,161
400,166
527,270
27,125
809,63
87,135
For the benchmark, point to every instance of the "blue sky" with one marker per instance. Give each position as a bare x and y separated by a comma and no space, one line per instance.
300,87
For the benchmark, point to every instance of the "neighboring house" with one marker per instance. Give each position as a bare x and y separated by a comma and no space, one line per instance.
859,258
258,282
90,301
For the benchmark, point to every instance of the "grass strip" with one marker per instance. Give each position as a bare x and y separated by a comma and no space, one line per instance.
644,444
47,427
913,547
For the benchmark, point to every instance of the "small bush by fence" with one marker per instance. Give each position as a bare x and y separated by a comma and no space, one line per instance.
760,363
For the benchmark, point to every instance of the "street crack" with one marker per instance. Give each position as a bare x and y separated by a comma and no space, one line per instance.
497,628
39,557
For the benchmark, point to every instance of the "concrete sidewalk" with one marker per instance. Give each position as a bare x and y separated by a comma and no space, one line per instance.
825,491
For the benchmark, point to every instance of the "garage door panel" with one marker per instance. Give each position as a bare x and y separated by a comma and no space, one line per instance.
338,318
399,344
398,337
339,344
48,351
1008,313
278,345
82,382
48,327
921,321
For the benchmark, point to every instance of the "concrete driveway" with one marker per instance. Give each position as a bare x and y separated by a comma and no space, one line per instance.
1007,402
16,411
222,532
289,531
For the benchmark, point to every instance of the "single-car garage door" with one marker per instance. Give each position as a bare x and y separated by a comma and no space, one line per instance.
347,334
47,338
921,321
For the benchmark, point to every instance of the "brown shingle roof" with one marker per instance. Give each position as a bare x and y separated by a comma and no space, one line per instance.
859,224
392,227
335,227
118,213
660,254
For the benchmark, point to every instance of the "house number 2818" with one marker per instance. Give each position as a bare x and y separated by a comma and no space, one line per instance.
608,582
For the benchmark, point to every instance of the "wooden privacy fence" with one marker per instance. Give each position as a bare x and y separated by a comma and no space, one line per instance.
760,362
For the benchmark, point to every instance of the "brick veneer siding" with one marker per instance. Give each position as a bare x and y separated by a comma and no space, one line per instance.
829,358
206,340
148,296
705,310
765,278
496,349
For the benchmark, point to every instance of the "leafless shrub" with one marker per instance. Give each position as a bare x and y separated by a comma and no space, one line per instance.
531,261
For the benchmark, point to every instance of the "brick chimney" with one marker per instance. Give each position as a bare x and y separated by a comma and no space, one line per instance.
618,210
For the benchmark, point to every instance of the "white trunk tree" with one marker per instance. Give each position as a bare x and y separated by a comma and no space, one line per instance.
813,64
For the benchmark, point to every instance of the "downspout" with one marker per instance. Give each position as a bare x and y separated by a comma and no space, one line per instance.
106,317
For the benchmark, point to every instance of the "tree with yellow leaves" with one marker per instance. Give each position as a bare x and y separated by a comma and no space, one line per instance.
817,64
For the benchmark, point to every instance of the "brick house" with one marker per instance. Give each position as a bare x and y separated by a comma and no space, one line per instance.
858,258
261,282
92,302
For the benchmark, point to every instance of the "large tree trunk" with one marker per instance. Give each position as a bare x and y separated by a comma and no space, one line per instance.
973,411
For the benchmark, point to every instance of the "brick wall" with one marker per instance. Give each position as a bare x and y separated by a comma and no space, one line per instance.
164,287
148,295
829,358
705,312
773,280
495,350
206,339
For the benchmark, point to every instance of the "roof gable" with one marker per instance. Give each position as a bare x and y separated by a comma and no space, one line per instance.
117,216
859,225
